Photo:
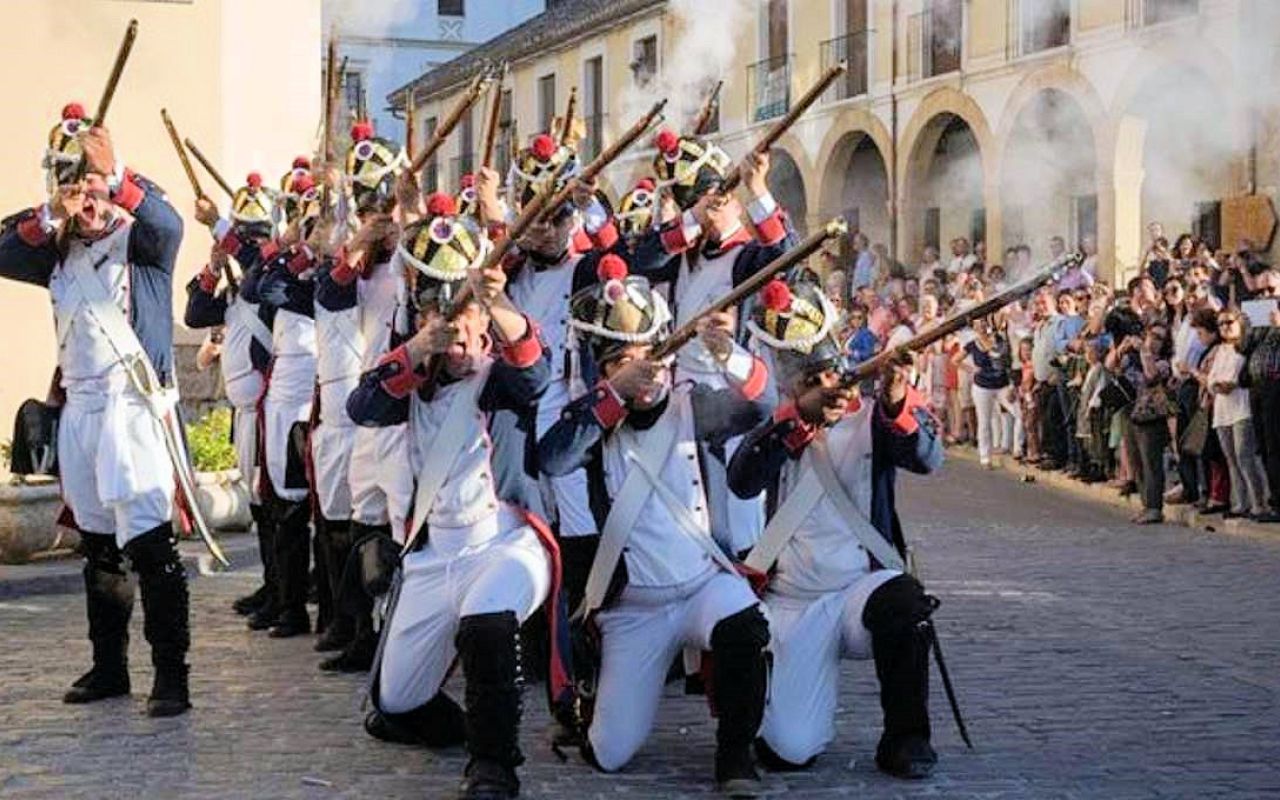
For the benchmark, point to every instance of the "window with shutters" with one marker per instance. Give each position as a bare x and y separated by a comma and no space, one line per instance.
546,102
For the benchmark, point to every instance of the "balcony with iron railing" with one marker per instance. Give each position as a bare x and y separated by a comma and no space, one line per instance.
1141,13
933,44
593,136
852,50
769,88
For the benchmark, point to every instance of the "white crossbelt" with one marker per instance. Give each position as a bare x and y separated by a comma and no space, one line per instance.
816,483
640,484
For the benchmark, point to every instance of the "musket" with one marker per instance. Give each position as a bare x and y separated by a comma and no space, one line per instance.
408,130
780,127
703,120
195,182
566,129
607,156
209,168
495,114
450,121
807,247
962,319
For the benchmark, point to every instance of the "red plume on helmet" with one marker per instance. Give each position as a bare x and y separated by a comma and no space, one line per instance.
543,147
667,142
303,184
611,268
302,162
73,111
646,184
440,204
362,130
467,181
254,180
776,295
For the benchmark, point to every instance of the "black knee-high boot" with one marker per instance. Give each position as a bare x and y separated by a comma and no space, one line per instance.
336,538
108,599
166,624
320,575
489,648
439,722
265,529
740,679
897,615
293,556
355,601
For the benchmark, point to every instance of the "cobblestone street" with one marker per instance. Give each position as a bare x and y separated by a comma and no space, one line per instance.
1093,659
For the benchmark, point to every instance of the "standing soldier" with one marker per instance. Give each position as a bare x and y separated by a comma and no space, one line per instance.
828,460
246,356
111,280
658,581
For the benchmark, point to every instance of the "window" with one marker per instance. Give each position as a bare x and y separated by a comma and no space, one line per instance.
431,172
776,46
1045,24
466,144
546,102
644,60
1084,210
978,226
593,106
506,135
1157,11
942,32
451,8
849,48
353,94
1207,225
932,227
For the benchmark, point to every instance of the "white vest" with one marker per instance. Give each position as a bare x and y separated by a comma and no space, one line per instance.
339,353
84,352
293,370
544,296
697,289
468,494
242,382
823,555
382,299
658,553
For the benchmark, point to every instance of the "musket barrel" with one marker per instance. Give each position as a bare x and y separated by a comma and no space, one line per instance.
117,69
450,121
494,120
566,128
807,247
182,153
209,168
780,127
703,120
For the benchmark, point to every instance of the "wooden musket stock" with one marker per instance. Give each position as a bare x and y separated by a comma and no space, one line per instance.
209,168
703,120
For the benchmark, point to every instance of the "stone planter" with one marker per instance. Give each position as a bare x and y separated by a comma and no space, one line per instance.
224,499
28,521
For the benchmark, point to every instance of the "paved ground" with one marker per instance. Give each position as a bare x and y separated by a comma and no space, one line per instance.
1094,659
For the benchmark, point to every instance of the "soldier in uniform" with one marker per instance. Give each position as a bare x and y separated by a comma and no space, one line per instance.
833,545
104,244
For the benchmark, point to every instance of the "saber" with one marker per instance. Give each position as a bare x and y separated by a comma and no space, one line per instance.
950,690
795,255
962,319
780,127
209,168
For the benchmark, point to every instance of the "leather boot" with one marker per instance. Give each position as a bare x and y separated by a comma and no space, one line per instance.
293,555
244,606
897,615
108,596
320,576
165,608
739,677
337,548
489,649
437,723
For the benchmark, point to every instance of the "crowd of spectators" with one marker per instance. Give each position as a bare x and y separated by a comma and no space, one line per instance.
1167,386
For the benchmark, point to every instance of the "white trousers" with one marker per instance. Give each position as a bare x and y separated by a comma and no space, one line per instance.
985,403
282,411
244,433
442,584
331,447
640,635
115,469
381,478
809,636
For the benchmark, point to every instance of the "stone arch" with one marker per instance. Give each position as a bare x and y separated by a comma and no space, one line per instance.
937,111
855,185
788,185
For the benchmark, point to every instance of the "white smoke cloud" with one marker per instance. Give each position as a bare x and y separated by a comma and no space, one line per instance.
369,17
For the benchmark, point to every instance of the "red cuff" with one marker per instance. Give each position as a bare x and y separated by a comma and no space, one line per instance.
526,351
672,236
497,230
581,242
772,230
344,272
403,379
606,237
31,231
756,381
609,408
230,244
128,195
906,423
301,261
270,250
800,433
208,280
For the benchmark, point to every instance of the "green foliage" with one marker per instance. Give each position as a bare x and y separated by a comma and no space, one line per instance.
210,442
6,452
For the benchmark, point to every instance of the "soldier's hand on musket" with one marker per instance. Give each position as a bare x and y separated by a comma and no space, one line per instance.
379,232
206,212
99,153
755,172
894,380
488,284
487,183
717,335
667,208
67,201
408,195
702,209
436,337
584,192
825,398
292,234
320,240
639,381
